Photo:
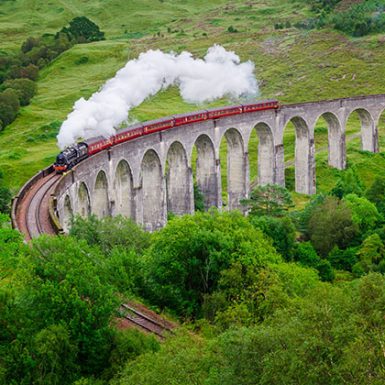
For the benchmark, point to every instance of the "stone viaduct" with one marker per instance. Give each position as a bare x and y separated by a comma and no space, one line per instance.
149,176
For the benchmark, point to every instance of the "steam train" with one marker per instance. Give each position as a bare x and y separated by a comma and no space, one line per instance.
76,153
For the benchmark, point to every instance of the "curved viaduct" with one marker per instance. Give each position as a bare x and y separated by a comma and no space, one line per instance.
149,176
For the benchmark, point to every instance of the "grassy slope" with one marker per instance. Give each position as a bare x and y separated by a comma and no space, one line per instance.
292,65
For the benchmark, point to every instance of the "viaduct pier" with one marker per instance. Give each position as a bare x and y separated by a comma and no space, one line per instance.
149,176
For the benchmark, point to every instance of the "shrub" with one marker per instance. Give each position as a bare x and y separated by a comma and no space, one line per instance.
187,257
343,259
281,231
364,213
231,29
271,200
109,232
83,30
9,106
81,60
31,72
348,183
199,201
25,89
376,194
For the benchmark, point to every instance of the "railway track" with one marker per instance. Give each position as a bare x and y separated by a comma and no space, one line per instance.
32,209
148,322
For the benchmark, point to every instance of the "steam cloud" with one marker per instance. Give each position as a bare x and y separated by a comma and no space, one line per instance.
219,74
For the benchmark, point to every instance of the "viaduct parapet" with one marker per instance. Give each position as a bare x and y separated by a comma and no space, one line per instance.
152,175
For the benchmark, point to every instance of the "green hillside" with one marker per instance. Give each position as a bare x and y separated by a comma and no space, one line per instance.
292,293
292,64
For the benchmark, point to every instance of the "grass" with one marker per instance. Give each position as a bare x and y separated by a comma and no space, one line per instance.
291,65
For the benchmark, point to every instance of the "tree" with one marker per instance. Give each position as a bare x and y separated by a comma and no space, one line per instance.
199,202
376,194
281,231
29,44
348,183
110,232
187,256
364,213
31,72
343,259
83,30
331,224
301,218
5,196
307,256
370,254
61,285
270,199
9,106
25,89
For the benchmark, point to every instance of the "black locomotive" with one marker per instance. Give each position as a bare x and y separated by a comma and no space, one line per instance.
71,156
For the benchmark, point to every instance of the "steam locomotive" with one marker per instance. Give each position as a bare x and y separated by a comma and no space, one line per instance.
74,154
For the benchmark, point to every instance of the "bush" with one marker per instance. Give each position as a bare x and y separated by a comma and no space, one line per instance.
31,72
25,89
199,200
323,6
9,106
83,30
306,255
361,19
29,44
371,256
231,29
331,224
5,199
270,200
348,183
187,257
343,259
111,232
376,194
364,213
281,231
81,60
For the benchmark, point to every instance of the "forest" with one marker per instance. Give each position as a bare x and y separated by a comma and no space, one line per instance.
279,296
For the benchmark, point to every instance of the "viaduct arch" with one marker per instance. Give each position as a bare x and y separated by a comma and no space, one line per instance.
152,175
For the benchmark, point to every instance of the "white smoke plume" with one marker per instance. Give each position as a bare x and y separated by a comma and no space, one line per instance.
219,74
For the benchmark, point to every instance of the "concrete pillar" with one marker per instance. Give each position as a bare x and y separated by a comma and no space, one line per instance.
100,199
153,187
191,189
266,155
336,142
83,201
304,158
180,199
369,131
123,191
208,172
67,214
279,166
218,178
236,169
247,174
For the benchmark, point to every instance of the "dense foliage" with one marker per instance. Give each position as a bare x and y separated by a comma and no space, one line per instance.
332,335
83,30
354,18
18,72
250,288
